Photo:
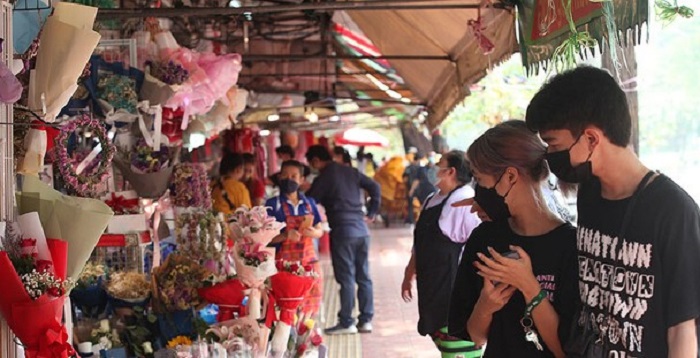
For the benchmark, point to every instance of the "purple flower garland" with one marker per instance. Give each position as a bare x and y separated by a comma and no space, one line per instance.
83,185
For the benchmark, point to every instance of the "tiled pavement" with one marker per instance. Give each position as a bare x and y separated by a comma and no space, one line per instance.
395,321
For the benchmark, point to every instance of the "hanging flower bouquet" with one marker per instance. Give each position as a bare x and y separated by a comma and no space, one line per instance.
34,292
289,287
189,186
147,170
200,234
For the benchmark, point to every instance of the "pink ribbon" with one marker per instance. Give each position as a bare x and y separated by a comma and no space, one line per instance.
154,211
478,27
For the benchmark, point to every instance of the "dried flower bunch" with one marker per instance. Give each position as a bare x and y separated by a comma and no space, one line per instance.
189,186
144,159
128,286
170,73
201,235
91,275
178,280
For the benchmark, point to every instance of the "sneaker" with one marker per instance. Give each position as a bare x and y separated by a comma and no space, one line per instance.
338,329
364,327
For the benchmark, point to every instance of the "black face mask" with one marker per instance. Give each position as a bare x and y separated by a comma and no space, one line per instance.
560,164
491,202
288,186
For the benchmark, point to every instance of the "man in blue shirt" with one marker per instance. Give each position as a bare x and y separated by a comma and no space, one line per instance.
338,189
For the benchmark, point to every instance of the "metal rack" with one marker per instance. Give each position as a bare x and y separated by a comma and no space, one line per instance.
31,5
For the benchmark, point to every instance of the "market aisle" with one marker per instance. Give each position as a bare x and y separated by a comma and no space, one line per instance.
395,321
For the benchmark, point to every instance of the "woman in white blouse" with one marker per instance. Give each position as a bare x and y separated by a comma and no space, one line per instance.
438,240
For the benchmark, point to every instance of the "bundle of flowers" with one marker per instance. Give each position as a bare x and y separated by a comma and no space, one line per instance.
289,287
127,289
177,281
33,295
238,336
309,340
88,293
189,186
200,234
104,336
228,296
254,226
169,72
144,159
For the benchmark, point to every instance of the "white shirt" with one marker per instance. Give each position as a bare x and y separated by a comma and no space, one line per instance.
455,223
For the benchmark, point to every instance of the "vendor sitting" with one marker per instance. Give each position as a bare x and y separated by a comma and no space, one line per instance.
296,242
228,192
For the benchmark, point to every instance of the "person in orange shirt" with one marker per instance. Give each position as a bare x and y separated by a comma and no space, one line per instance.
228,192
255,186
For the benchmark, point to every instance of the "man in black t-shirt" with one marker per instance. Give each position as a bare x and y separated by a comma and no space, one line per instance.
636,275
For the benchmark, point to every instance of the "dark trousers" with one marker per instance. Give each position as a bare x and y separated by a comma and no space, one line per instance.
351,265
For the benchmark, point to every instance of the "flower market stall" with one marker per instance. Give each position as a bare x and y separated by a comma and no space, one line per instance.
109,244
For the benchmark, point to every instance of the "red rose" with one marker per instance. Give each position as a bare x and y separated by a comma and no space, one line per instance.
308,268
316,340
294,267
43,265
302,329
54,291
280,265
301,349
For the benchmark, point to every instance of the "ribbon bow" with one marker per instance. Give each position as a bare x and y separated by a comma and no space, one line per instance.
122,205
52,344
153,140
478,29
154,210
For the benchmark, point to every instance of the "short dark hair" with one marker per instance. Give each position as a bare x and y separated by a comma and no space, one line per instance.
248,158
318,151
285,149
230,162
458,159
296,164
578,98
337,150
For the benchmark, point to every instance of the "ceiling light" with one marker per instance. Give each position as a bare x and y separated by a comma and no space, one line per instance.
273,117
234,3
311,117
264,133
334,118
406,100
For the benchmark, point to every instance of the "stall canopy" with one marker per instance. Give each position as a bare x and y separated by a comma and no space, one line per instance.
408,55
453,58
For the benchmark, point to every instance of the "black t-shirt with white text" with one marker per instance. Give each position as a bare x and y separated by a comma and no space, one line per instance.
641,284
553,257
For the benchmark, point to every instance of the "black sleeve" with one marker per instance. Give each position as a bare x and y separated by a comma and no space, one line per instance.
567,299
679,242
466,290
318,189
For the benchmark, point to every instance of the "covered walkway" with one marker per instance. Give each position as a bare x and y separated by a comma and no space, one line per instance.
395,321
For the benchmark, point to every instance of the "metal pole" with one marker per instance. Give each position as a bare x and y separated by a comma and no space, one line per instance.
108,14
324,74
298,57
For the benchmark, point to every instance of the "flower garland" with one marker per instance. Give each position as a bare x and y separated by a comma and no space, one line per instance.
83,184
201,235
